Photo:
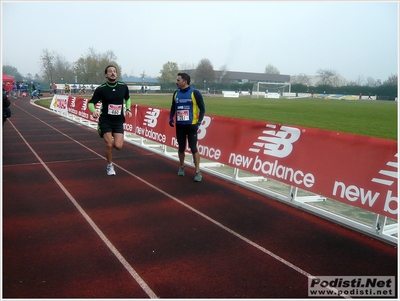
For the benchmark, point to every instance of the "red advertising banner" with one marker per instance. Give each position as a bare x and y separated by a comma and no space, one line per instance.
357,170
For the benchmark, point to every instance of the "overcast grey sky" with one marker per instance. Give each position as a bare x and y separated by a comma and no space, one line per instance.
355,39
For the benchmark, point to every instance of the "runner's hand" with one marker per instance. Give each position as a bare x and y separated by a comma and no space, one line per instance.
96,114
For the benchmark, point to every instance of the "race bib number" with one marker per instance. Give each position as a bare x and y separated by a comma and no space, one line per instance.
114,109
182,115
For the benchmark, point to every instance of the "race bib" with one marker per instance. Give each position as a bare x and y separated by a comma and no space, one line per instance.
182,115
114,109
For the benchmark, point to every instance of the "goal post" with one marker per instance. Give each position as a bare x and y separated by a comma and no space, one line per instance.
263,89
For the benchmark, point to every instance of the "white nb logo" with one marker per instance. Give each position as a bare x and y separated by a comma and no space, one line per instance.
276,143
84,104
73,99
389,175
201,133
150,119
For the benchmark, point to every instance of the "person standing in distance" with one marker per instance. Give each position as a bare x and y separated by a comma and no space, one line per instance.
188,108
6,105
112,95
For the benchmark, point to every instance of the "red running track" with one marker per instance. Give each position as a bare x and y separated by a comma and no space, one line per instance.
71,231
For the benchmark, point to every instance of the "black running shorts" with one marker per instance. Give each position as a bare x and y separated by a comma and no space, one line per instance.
188,132
106,125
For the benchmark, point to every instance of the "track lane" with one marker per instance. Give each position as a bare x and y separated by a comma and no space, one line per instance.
176,250
45,248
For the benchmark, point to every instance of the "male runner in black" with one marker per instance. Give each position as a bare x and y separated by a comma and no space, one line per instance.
112,95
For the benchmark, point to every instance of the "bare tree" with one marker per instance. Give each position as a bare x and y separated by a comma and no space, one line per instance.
371,82
186,66
300,79
63,70
327,77
392,80
55,67
224,71
204,72
270,69
47,64
360,80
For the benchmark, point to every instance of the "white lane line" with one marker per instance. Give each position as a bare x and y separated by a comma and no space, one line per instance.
117,254
250,242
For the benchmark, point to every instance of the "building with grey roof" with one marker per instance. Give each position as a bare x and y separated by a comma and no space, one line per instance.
236,77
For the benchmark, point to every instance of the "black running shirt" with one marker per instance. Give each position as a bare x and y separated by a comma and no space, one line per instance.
112,99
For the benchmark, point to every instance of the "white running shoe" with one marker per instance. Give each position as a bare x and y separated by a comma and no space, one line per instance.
110,170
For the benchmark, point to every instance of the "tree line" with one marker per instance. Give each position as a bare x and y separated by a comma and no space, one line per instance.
88,69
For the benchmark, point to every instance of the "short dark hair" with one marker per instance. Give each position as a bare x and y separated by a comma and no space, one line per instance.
185,77
105,71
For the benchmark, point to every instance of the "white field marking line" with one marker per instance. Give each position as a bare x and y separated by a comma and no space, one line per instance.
255,245
66,161
234,233
51,162
117,254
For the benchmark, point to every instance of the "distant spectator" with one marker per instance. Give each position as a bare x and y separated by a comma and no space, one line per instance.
34,92
82,89
15,90
24,90
67,89
6,105
9,87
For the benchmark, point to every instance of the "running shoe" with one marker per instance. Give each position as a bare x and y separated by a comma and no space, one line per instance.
110,170
198,177
181,171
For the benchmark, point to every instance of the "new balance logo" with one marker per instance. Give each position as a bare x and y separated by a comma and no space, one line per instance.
388,175
84,104
150,119
276,141
203,127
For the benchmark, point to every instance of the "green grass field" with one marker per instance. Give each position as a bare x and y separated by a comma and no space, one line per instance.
369,118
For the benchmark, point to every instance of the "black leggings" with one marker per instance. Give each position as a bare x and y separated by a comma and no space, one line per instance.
189,131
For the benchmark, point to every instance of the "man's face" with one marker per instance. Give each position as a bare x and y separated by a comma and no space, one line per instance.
111,74
180,83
